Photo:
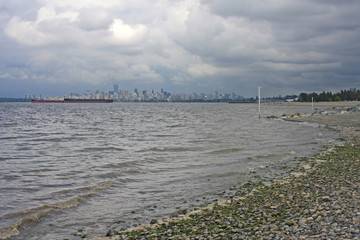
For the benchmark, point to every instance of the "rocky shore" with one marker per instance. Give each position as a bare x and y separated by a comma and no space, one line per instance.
319,199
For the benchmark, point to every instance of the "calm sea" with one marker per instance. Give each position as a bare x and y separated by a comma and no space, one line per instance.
74,170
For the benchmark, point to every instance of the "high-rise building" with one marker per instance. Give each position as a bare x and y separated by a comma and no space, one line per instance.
116,88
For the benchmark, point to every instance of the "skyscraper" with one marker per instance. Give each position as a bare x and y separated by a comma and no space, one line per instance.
116,88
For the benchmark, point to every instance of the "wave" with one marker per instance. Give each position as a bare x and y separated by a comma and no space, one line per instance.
133,171
97,187
164,135
286,156
38,170
121,164
176,126
107,175
34,215
169,149
225,150
225,174
9,138
10,124
283,157
47,140
24,189
96,149
261,156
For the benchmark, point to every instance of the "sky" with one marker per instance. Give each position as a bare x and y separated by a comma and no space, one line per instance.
285,46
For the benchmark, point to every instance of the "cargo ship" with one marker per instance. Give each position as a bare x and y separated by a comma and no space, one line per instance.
46,101
73,100
85,100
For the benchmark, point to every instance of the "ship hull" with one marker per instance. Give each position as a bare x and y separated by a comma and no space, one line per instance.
70,100
46,101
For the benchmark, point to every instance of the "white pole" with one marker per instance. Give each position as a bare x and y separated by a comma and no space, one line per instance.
312,103
259,99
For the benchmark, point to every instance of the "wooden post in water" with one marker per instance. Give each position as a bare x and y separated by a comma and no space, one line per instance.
259,99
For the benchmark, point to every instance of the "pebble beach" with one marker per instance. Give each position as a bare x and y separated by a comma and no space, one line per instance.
319,198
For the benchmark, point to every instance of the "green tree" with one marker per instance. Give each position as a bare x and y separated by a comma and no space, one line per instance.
303,97
337,99
311,96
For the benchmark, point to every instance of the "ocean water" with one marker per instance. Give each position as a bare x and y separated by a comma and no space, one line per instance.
75,170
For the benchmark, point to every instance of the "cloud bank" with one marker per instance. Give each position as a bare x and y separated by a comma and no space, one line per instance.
183,45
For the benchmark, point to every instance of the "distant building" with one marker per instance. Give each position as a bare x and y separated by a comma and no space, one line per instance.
116,88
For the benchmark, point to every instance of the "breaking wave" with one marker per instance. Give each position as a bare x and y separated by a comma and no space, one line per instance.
36,214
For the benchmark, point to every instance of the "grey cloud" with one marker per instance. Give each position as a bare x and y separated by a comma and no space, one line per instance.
90,19
304,31
209,44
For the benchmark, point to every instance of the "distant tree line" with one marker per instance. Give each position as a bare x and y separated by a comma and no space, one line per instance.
344,95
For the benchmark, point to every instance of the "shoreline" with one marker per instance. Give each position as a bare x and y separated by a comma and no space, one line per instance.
319,104
297,206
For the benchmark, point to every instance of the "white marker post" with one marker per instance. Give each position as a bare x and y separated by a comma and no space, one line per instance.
259,99
312,103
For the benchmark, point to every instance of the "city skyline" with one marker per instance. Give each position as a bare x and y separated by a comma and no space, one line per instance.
56,47
142,95
162,95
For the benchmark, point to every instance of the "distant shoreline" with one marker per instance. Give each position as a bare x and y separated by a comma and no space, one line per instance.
316,104
4,99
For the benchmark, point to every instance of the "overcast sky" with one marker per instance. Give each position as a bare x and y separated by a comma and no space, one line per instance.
56,47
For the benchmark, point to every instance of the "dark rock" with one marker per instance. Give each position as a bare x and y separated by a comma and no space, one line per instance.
153,221
111,232
326,199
